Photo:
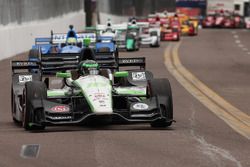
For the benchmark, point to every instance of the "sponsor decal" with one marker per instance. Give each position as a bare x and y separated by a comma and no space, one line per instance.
60,117
99,95
139,76
25,63
140,106
58,37
60,109
132,61
24,78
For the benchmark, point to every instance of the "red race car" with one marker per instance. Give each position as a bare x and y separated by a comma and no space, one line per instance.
239,21
219,21
169,34
229,22
175,23
208,22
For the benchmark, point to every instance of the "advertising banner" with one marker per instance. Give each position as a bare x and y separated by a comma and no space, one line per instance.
191,7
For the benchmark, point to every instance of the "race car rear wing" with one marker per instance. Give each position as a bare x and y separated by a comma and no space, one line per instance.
23,66
58,38
135,62
40,41
54,62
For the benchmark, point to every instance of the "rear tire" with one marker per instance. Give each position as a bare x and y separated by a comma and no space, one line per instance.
34,54
136,45
161,87
33,90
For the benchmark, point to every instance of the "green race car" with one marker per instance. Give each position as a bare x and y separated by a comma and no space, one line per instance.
132,38
90,93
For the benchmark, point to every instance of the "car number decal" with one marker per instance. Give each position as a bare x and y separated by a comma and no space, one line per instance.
24,78
138,76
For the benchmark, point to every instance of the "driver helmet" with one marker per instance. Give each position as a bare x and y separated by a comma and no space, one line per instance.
89,67
71,41
86,42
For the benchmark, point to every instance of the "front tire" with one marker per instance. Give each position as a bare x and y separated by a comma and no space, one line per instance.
162,87
33,55
13,108
34,90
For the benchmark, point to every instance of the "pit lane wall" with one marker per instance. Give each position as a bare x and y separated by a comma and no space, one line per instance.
23,20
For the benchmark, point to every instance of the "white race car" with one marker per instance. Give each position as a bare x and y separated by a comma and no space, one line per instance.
116,31
149,35
247,22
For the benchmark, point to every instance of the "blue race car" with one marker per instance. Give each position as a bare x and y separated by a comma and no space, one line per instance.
106,52
71,42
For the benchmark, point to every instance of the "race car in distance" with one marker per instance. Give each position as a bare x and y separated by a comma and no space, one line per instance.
153,19
195,22
239,21
120,37
219,20
149,35
229,22
169,34
106,52
247,22
208,21
88,94
175,23
70,42
132,36
116,31
188,28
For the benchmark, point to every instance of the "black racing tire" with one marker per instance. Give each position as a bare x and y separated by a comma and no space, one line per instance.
178,39
157,45
137,46
33,54
162,87
33,90
13,108
116,56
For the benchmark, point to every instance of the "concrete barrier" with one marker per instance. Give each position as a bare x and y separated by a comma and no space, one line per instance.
17,38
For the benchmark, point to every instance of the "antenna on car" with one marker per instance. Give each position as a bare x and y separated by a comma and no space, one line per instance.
51,34
71,27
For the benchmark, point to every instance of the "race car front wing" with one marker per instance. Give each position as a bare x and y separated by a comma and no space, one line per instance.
47,112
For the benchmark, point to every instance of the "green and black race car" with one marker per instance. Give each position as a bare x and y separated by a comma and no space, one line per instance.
88,93
132,38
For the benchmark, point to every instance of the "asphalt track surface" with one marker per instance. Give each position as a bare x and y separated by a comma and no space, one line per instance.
198,138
